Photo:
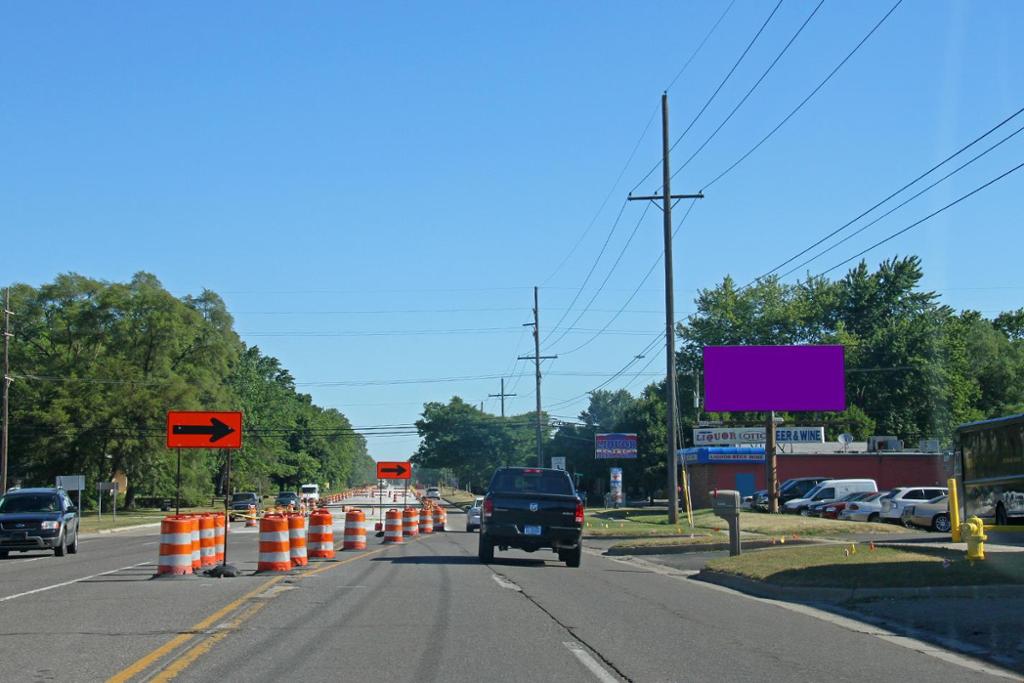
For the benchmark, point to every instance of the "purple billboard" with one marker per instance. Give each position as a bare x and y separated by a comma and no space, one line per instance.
765,378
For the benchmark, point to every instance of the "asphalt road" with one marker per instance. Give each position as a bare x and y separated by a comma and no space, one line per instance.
423,611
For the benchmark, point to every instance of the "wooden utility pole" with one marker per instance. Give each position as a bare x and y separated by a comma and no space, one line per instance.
502,396
6,390
770,463
667,199
537,358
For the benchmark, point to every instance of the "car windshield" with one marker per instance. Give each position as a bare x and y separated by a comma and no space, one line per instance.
309,489
242,497
30,502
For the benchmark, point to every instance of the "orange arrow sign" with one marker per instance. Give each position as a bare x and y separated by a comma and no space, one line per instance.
204,429
394,470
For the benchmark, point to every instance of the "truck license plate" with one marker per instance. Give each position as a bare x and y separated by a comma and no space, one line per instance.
531,530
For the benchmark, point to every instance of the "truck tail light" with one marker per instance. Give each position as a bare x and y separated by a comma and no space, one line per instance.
488,507
579,513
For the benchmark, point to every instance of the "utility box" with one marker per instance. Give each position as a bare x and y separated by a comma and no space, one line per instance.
726,504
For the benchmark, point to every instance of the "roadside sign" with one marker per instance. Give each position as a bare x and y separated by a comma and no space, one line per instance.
102,486
204,429
71,482
607,446
558,462
394,470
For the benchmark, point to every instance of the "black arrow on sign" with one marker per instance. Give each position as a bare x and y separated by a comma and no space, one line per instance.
217,429
397,470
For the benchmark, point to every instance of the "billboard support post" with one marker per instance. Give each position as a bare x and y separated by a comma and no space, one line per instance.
771,464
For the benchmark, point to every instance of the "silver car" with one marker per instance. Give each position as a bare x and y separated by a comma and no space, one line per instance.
473,515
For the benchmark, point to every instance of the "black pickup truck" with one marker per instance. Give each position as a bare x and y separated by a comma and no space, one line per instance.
531,508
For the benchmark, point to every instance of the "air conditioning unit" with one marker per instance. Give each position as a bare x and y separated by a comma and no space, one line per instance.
884,443
929,446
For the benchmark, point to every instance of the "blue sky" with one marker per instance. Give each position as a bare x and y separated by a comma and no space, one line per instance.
378,179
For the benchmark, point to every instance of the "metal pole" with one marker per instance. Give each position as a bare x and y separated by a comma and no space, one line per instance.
115,505
177,495
99,507
670,321
6,390
227,509
771,463
536,355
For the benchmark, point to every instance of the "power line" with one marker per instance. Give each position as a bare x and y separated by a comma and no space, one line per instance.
697,50
608,275
897,192
805,100
922,220
713,95
752,89
900,205
647,275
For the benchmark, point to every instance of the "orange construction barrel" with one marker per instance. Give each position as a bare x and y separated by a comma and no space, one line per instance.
219,536
175,546
410,522
355,531
320,541
426,522
274,548
393,526
439,518
207,541
297,539
197,555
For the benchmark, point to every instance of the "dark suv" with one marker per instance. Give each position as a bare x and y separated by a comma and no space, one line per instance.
240,503
38,519
790,489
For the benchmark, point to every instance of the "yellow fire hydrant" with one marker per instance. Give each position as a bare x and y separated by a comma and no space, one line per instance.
974,529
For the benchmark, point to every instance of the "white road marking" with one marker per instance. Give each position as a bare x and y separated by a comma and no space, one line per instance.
950,655
592,664
506,584
68,583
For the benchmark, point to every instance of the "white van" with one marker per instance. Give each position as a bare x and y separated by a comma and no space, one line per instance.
829,490
309,494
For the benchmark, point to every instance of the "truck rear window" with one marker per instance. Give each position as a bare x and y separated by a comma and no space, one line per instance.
526,481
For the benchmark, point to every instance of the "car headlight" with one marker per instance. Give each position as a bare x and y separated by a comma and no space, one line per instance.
50,525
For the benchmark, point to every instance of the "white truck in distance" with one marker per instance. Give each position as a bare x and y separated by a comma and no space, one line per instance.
309,494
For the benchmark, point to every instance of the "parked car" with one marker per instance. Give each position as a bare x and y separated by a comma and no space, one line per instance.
832,510
788,490
828,491
473,514
867,510
286,498
240,503
892,506
38,519
932,515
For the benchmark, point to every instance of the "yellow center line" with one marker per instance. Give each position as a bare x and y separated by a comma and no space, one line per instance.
179,664
139,666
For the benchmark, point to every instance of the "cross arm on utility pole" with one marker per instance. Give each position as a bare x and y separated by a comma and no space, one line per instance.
533,358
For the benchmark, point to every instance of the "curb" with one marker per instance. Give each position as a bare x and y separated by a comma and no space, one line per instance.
698,547
104,532
838,595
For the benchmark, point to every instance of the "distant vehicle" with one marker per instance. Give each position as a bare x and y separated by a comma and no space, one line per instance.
473,515
828,491
286,498
866,510
433,493
240,503
992,461
309,494
38,519
932,515
892,505
532,508
788,490
832,510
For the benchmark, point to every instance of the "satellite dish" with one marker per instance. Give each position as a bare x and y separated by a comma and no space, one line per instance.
845,438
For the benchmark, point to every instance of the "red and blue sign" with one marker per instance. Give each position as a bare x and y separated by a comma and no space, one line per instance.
609,446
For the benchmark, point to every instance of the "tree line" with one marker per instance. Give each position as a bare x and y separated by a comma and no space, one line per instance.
97,365
915,369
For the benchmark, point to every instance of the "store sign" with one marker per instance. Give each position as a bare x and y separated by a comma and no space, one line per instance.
616,485
722,436
607,446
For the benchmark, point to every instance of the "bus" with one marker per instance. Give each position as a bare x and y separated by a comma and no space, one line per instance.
992,467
